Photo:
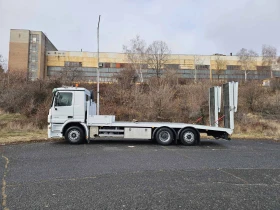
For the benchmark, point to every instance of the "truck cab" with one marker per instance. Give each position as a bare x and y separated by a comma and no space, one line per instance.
69,106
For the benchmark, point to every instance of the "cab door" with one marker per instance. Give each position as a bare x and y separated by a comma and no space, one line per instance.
62,109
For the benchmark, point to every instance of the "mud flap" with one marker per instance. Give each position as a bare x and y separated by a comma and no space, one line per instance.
88,136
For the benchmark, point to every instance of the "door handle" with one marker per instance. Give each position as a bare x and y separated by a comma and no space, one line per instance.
70,116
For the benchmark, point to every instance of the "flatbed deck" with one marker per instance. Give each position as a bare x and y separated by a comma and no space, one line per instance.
160,124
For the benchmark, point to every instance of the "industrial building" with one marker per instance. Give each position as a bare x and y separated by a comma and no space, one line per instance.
27,52
32,52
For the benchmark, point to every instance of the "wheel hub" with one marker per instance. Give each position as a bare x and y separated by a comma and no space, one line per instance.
74,135
164,136
189,137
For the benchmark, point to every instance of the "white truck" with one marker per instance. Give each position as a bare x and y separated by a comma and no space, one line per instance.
73,115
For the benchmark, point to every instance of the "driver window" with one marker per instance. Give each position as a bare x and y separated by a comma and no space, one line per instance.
64,99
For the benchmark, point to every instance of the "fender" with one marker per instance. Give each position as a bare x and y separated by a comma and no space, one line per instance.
87,131
78,122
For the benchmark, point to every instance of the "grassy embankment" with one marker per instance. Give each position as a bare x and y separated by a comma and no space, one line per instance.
16,128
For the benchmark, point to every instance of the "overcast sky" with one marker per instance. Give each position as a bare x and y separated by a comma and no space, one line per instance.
187,26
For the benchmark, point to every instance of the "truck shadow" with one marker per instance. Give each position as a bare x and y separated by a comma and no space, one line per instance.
213,143
203,144
123,142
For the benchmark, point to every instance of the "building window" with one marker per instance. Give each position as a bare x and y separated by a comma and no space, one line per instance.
233,67
171,66
33,47
33,56
107,65
123,65
73,64
202,67
263,68
34,38
144,66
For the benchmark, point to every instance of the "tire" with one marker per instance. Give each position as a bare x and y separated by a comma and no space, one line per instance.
189,137
164,136
75,135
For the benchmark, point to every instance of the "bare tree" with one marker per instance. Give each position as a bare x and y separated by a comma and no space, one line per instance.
71,74
269,57
161,100
126,78
220,65
2,64
171,77
136,55
198,61
247,60
278,63
253,96
157,56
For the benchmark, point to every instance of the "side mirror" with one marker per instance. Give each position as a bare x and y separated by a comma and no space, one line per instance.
92,95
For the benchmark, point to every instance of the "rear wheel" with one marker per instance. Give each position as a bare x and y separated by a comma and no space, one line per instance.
75,135
189,137
164,136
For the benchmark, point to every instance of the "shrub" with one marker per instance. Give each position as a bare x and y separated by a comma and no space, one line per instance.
158,99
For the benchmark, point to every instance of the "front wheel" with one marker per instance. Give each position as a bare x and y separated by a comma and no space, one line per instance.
75,135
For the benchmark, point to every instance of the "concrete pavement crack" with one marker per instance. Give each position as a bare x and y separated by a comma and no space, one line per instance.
3,190
237,177
51,180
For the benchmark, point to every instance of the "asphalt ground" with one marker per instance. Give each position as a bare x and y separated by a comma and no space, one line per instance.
235,174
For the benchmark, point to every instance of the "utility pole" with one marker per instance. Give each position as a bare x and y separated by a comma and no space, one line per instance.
97,108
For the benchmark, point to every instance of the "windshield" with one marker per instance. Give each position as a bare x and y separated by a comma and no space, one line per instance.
53,99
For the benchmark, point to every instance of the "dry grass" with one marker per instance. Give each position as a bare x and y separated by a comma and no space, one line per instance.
22,136
256,127
17,128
